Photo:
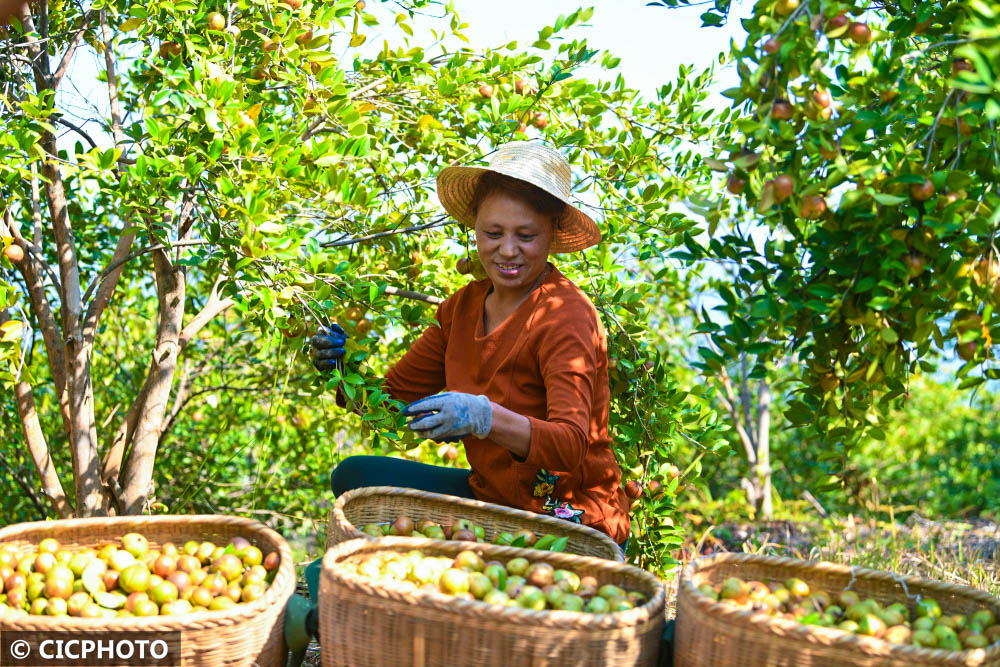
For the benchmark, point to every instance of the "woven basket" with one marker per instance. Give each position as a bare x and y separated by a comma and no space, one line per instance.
378,504
363,623
247,634
710,633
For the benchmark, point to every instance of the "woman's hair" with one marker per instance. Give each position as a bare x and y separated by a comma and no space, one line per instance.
541,201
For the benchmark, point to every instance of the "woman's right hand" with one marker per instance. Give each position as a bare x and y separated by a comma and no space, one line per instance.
328,347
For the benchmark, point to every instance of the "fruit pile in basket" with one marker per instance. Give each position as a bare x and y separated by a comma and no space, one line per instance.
516,583
127,578
926,626
464,530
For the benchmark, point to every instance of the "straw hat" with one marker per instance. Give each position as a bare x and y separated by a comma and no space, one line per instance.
532,163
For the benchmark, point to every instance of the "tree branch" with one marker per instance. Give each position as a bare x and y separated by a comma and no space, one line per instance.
216,304
417,296
39,450
71,49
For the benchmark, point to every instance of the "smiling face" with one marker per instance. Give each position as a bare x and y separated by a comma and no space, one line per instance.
513,240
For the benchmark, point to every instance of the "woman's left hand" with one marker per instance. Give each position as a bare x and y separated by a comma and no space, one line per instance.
450,416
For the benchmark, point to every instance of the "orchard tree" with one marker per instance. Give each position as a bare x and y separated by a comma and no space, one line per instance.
858,205
258,183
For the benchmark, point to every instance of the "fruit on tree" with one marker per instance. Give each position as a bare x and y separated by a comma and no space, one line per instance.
170,49
837,25
772,46
215,21
812,207
464,266
540,120
784,187
822,98
294,4
14,253
922,191
860,32
966,351
736,184
781,109
633,489
520,85
786,7
960,65
305,36
915,263
486,91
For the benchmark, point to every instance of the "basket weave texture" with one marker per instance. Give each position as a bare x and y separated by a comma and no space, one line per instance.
710,633
365,623
378,504
243,636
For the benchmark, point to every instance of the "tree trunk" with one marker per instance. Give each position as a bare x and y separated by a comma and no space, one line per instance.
763,472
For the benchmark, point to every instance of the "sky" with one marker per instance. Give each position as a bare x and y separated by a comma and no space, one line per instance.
652,42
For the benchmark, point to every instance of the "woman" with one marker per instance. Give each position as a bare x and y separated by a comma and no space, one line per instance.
522,354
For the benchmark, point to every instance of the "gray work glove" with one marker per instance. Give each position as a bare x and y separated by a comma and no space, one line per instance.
449,416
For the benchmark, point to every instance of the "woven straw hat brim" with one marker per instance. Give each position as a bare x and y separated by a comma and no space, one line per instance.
455,189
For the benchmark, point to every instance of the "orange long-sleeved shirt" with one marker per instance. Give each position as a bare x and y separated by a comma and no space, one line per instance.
547,361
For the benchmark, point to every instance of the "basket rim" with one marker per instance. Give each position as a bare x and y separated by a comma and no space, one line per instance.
277,593
830,636
361,492
651,611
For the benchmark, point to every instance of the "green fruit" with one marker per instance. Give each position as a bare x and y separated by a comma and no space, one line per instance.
221,602
91,577
470,561
570,602
504,539
797,588
897,634
518,566
434,532
567,580
708,591
848,626
526,537
923,623
531,598
943,632
857,611
453,581
949,644
372,530
540,574
984,617
113,600
163,592
733,589
496,597
871,625
497,576
56,607
479,585
134,578
891,617
121,559
135,544
928,607
608,591
976,641
597,605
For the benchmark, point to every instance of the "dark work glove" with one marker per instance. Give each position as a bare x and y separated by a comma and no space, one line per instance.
328,347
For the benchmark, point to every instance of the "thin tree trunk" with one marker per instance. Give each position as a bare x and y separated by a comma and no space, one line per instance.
763,473
138,473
